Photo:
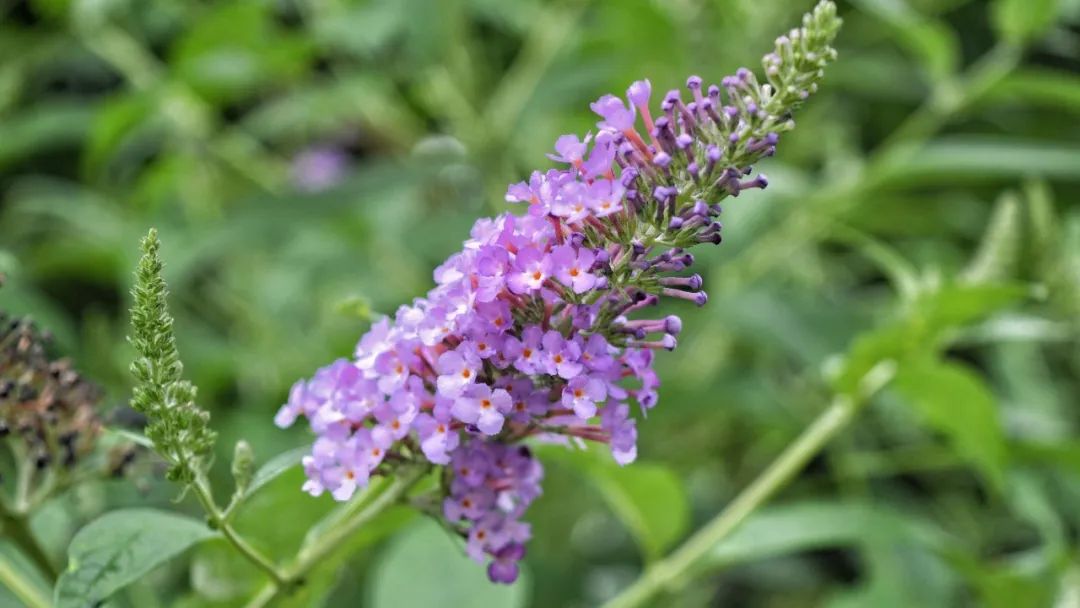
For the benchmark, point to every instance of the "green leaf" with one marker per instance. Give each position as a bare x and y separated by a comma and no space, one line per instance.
236,49
275,467
959,304
956,402
425,566
1049,88
963,159
45,126
922,325
1019,21
219,574
118,549
117,121
787,529
649,499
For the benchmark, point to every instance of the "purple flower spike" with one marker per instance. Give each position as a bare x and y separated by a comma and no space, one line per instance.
535,328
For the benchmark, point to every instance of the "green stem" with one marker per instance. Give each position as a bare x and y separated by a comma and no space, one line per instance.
13,518
671,572
23,589
217,518
17,530
323,546
335,536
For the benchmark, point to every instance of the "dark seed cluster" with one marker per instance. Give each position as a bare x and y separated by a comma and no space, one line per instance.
44,404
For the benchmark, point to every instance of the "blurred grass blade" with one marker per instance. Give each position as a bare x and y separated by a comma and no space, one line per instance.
808,526
999,250
931,41
1020,21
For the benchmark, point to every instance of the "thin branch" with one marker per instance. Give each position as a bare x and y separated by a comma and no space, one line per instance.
242,546
335,536
21,588
674,570
16,528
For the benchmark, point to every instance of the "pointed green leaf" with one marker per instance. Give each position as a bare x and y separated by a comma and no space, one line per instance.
118,549
787,529
649,499
275,467
426,567
956,402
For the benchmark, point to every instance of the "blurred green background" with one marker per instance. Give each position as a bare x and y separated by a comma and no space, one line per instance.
308,163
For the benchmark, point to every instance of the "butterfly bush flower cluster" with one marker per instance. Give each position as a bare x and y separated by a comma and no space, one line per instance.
539,327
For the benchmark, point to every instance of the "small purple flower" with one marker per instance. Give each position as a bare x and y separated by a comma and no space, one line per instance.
605,197
572,267
319,168
601,157
437,441
531,361
572,204
455,373
561,356
615,419
614,112
531,269
483,407
582,394
470,505
295,406
639,93
569,149
504,568
596,353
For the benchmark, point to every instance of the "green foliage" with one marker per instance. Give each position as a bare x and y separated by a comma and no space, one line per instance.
807,526
956,402
118,549
178,428
923,213
425,566
649,499
275,467
1019,21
